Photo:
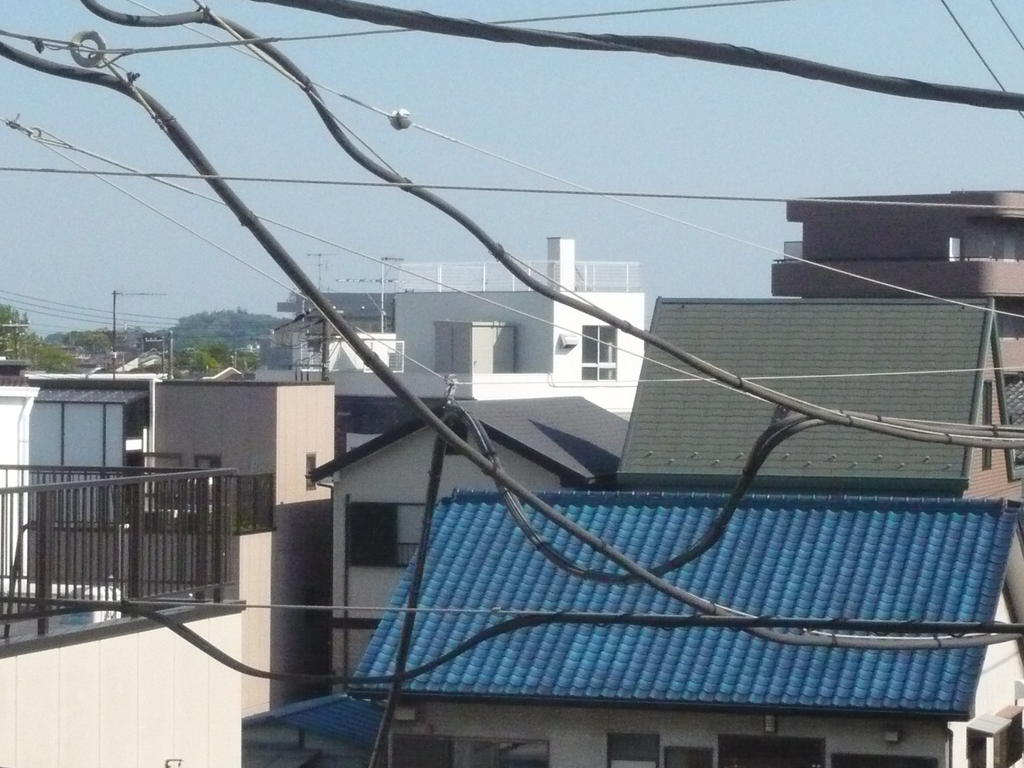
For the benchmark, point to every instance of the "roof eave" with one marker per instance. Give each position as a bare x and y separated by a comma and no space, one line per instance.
678,706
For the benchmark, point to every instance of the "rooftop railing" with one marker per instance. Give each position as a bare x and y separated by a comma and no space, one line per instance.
130,537
591,276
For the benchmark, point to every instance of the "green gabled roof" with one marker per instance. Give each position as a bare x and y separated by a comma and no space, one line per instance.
699,433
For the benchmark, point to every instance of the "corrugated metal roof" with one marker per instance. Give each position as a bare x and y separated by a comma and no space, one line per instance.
853,557
81,395
698,430
336,716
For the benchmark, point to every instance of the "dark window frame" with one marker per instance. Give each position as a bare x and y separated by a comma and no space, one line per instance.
310,467
447,747
207,461
651,753
372,539
986,418
858,760
705,756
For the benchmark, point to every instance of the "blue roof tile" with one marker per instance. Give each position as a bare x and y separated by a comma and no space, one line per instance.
872,558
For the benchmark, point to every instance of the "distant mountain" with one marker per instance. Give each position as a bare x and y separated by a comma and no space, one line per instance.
234,328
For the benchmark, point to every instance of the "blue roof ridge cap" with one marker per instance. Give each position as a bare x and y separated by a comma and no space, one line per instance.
470,495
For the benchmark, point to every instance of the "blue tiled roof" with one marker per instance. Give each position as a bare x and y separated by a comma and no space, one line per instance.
337,716
782,555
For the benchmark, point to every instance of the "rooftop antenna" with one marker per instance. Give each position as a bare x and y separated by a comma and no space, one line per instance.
113,325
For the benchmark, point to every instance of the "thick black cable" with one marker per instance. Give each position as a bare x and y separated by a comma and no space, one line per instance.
184,143
677,47
782,427
870,422
378,755
962,630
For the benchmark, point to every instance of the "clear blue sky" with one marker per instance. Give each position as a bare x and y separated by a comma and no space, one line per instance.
619,121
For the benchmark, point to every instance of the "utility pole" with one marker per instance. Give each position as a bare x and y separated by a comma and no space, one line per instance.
383,273
170,354
325,351
17,335
320,264
113,325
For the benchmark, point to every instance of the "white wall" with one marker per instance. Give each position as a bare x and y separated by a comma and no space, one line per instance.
995,690
92,434
138,699
416,313
398,474
577,737
15,412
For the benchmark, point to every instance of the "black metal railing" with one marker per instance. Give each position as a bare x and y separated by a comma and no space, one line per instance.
253,509
38,474
128,537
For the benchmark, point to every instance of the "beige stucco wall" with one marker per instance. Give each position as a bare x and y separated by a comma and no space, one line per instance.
398,474
305,424
577,737
254,572
132,700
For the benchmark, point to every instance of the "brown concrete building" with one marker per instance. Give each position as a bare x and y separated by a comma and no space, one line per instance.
964,245
280,430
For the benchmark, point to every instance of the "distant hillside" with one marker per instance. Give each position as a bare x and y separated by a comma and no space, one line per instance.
232,327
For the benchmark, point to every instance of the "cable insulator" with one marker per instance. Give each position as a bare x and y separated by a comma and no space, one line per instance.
87,57
400,119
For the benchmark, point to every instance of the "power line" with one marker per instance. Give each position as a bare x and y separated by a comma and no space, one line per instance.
174,130
870,422
165,21
977,51
688,377
1006,24
844,201
97,310
225,251
122,52
673,47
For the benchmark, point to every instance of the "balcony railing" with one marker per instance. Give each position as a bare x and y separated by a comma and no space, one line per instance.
129,537
37,474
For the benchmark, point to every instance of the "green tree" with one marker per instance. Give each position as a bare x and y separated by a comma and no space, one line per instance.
14,332
18,341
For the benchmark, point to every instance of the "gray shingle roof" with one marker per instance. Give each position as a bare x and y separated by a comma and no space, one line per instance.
570,435
699,432
571,431
1014,387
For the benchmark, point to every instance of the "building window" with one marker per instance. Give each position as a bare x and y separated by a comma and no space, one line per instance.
633,750
881,761
599,353
372,533
770,752
206,461
688,757
442,752
986,418
310,466
396,358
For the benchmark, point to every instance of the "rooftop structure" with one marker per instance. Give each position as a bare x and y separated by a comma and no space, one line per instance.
959,244
903,358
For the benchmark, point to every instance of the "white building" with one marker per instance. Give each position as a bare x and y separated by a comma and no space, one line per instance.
477,324
545,443
17,397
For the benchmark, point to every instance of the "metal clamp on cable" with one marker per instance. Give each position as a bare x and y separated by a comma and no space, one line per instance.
85,56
